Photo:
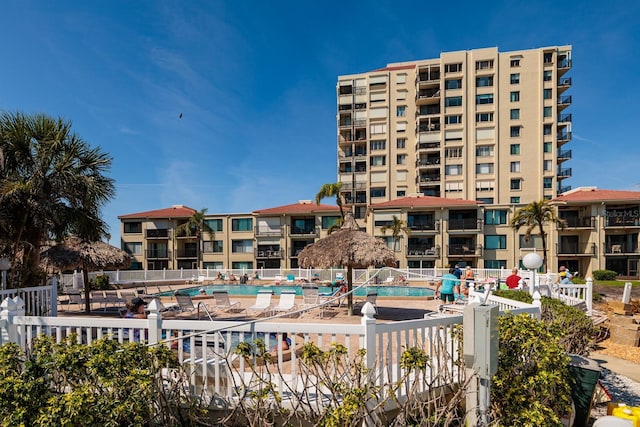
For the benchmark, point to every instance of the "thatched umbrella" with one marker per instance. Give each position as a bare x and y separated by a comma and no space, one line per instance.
348,247
89,256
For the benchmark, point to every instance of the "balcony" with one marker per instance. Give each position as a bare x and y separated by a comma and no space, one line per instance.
564,118
564,137
620,249
576,248
428,76
429,179
182,234
564,155
160,233
564,173
469,250
579,222
621,221
267,232
269,254
428,127
564,189
564,84
422,252
428,110
428,162
428,146
433,191
469,224
564,102
306,231
158,254
186,253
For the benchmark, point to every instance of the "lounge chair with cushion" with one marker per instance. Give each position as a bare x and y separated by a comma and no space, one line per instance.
287,302
333,297
262,304
223,303
185,304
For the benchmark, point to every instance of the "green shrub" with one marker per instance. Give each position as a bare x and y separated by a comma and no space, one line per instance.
100,282
604,275
532,384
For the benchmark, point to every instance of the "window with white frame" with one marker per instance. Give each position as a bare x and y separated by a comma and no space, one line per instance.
484,117
484,65
401,143
401,159
453,153
378,144
453,119
485,185
377,192
452,170
515,184
242,246
514,166
453,187
548,165
133,248
514,131
485,98
484,81
514,149
514,114
453,101
484,168
453,68
378,128
377,160
484,151
515,78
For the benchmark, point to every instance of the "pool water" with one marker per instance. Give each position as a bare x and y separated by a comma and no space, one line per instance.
251,290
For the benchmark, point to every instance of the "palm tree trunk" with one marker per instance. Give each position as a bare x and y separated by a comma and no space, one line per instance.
544,247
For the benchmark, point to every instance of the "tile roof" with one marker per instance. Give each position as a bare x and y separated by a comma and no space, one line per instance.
395,67
422,201
302,207
177,211
592,194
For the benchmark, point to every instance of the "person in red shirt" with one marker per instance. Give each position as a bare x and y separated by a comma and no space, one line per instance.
513,279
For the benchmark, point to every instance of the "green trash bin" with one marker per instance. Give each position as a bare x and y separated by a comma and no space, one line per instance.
584,375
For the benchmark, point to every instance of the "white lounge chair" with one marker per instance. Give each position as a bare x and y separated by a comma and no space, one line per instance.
287,302
262,304
311,299
223,303
372,297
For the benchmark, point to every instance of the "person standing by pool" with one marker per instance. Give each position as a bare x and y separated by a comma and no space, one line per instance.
458,273
447,285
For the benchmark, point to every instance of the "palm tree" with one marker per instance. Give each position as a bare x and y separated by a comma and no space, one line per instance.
196,225
330,190
52,185
536,215
397,226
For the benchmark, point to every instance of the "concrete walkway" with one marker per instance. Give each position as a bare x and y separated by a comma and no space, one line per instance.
619,366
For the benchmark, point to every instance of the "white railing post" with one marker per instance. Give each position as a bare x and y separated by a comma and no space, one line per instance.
10,308
537,302
589,296
369,324
155,322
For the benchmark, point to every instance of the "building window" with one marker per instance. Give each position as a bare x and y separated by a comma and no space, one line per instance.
548,57
453,101
212,246
484,65
547,165
514,96
242,224
484,151
377,129
401,111
547,129
453,120
401,78
453,153
514,149
133,248
485,185
214,224
378,144
515,63
495,264
486,98
453,68
484,168
495,217
514,200
453,187
515,184
329,221
514,166
514,113
401,193
547,147
401,127
484,117
132,227
547,93
498,241
453,170
401,143
401,159
514,131
486,200
548,111
484,81
548,75
453,84
377,192
242,246
547,182
515,78
378,160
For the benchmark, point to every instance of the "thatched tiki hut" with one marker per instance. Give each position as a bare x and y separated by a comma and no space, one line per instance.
348,247
76,253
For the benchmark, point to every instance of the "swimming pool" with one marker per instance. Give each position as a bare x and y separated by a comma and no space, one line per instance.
383,291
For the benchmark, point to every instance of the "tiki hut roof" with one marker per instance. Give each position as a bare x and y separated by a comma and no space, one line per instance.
348,247
76,253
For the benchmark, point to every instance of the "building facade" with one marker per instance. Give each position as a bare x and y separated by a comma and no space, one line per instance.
602,232
475,125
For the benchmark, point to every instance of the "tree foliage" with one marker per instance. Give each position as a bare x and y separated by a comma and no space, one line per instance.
331,190
52,185
396,227
535,216
196,226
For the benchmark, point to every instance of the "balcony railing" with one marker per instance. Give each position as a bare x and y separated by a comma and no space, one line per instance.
565,118
160,233
572,248
268,232
428,178
422,251
580,222
428,111
465,224
564,173
621,222
270,254
158,254
564,136
307,231
620,248
428,145
564,100
428,162
186,253
425,226
565,82
432,76
465,250
425,94
564,154
428,127
564,189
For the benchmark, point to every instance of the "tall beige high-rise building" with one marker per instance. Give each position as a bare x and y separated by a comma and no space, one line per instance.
476,125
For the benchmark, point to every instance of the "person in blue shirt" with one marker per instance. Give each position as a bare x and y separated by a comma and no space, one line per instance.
447,285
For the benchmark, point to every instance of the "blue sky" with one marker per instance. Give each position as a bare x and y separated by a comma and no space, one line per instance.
255,83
